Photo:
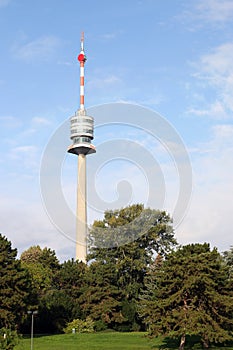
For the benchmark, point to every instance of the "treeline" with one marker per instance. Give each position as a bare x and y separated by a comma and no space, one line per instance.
137,278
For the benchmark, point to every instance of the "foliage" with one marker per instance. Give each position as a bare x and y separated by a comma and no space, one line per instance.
58,302
31,255
52,305
8,339
228,258
101,298
123,245
42,265
189,294
55,310
15,286
100,326
70,277
148,229
80,326
46,257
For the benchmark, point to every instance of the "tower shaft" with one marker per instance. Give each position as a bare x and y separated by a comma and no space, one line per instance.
81,224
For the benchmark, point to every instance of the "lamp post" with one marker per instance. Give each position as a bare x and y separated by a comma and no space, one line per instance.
32,324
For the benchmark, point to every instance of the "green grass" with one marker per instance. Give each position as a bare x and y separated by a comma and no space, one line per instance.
97,341
93,341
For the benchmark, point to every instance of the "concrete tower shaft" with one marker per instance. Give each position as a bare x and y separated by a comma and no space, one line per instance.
81,213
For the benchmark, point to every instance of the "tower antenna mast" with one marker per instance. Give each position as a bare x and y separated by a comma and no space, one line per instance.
82,60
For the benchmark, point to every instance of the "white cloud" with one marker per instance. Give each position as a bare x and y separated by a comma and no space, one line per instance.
4,3
108,36
25,223
218,63
24,149
111,35
26,156
102,82
212,14
216,111
10,122
214,73
210,215
214,10
40,121
40,49
65,63
223,132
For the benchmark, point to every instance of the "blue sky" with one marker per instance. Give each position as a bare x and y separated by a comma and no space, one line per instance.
173,57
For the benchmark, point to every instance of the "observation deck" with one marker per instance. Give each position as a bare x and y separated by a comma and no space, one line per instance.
81,133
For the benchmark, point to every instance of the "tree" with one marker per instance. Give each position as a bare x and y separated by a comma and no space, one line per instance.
189,295
126,240
101,298
43,267
59,304
228,259
31,255
70,278
55,310
150,230
15,288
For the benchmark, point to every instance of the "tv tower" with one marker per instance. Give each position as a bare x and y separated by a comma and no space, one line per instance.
81,133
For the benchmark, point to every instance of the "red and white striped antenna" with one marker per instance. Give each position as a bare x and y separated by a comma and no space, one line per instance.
82,60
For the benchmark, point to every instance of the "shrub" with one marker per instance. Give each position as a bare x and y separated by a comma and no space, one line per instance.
80,326
100,326
8,339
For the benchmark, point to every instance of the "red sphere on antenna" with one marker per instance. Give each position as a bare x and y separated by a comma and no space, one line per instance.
81,57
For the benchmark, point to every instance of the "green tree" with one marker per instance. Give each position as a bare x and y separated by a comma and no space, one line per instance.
31,255
70,278
59,304
189,295
43,267
55,310
101,298
126,241
228,259
15,287
48,259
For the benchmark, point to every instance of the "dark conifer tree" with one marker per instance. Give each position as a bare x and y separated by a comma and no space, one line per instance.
15,287
189,294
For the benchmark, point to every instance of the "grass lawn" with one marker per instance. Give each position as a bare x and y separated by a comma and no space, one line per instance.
92,341
97,341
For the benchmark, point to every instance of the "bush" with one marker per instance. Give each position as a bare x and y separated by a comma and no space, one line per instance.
8,339
100,326
80,326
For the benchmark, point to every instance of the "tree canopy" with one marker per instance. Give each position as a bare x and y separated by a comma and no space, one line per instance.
228,258
188,294
135,279
125,242
15,285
